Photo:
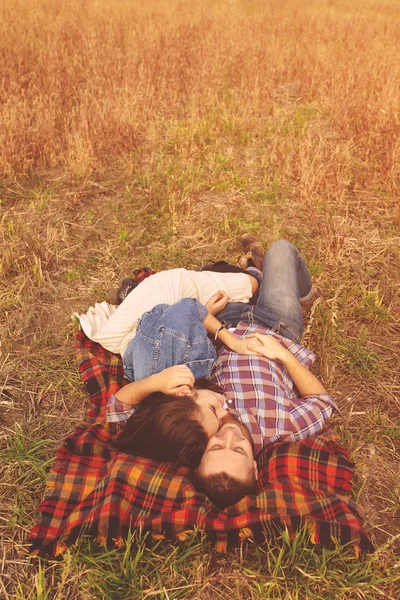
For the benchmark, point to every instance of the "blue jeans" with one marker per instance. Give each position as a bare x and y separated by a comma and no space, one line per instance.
168,336
286,281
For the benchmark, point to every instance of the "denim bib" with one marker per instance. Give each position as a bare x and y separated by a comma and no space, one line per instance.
168,336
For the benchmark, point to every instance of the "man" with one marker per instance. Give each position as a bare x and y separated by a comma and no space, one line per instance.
272,396
266,412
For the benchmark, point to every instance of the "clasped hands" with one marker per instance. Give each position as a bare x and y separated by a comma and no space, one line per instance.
261,345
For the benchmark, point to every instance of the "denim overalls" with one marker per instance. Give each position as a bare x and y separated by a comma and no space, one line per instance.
168,336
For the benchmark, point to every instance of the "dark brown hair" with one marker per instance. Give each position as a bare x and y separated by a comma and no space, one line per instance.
224,490
165,428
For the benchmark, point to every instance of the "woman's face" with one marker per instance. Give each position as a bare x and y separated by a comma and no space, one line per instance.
210,405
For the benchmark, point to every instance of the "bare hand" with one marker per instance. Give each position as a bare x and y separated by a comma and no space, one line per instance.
217,302
266,345
243,347
174,380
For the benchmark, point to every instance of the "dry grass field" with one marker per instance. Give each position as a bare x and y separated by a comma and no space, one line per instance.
155,133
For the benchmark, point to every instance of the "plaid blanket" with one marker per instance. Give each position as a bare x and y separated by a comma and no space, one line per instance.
93,491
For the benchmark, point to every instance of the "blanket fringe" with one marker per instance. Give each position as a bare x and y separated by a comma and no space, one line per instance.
184,535
60,548
245,534
221,544
311,525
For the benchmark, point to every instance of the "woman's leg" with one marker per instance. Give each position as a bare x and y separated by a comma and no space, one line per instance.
286,281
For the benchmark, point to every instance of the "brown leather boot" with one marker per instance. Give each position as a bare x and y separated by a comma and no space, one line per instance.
113,296
258,254
247,239
254,252
117,295
306,305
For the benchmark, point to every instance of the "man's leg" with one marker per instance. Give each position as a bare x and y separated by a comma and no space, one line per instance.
286,281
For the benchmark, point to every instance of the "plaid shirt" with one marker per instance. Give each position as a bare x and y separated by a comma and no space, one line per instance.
261,394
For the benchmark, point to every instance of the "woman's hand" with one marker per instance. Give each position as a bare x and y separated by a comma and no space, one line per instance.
266,345
174,381
217,302
177,380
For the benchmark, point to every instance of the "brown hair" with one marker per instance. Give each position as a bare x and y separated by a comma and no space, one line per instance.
224,490
165,428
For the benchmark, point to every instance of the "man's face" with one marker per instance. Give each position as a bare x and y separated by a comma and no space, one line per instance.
229,451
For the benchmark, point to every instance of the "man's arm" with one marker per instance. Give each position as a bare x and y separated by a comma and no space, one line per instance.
176,380
306,383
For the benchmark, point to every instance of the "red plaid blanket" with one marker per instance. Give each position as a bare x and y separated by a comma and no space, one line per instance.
94,491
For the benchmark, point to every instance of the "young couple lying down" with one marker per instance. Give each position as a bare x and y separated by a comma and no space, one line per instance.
215,411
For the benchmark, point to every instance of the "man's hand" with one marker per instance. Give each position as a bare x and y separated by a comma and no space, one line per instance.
217,302
242,346
306,383
266,345
174,380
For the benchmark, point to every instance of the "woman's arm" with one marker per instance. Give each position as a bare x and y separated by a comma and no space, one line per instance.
177,380
235,344
212,325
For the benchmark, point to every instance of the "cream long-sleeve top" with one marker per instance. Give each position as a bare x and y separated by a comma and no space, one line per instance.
114,327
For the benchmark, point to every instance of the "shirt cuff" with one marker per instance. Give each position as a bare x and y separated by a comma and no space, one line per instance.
118,411
324,398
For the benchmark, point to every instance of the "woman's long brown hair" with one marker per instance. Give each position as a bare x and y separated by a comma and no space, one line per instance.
165,428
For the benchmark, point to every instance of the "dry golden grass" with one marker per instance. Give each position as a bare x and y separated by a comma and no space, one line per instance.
86,82
156,133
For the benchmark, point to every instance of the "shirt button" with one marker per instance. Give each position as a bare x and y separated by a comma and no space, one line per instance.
229,401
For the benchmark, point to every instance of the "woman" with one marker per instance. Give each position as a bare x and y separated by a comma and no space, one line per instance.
179,334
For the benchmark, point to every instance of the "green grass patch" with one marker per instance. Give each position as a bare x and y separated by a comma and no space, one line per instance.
357,357
235,225
370,304
25,462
